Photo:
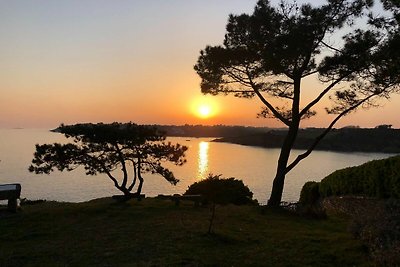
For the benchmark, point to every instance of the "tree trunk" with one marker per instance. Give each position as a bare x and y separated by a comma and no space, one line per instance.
212,218
141,180
279,180
139,174
277,189
125,197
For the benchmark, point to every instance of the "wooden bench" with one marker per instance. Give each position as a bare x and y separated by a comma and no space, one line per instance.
12,193
197,199
131,196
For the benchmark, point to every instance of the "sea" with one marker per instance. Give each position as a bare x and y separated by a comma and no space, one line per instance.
256,166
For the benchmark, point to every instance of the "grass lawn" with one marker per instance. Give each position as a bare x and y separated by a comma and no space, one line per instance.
155,232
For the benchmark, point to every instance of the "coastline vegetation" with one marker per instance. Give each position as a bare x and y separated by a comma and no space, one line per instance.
369,195
347,139
375,179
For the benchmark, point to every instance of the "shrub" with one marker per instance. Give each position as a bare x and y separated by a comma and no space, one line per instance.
309,204
309,194
378,178
222,191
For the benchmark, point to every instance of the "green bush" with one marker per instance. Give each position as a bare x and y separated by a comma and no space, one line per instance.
222,191
378,178
309,194
309,204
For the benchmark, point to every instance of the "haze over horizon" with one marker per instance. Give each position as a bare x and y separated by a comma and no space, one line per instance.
99,61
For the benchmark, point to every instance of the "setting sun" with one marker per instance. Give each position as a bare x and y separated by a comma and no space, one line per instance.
204,107
204,111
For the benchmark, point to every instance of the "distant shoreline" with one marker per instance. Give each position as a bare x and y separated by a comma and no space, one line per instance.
371,140
381,139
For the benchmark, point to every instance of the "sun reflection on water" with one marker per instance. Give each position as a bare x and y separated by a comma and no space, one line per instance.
203,160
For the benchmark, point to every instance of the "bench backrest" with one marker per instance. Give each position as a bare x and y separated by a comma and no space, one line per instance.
8,191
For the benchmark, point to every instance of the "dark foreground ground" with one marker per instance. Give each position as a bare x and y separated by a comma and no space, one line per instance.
156,233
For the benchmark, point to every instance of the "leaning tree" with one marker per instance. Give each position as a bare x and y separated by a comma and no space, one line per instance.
103,148
268,54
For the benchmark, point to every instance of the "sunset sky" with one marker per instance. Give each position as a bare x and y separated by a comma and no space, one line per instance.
103,61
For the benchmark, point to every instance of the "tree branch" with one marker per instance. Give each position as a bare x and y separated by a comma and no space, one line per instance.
122,160
239,91
331,47
320,96
265,102
270,107
105,170
134,176
113,179
325,132
237,78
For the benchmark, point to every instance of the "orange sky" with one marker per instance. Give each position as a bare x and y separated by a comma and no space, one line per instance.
91,61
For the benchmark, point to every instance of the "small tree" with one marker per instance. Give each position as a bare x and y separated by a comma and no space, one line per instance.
269,53
221,191
103,148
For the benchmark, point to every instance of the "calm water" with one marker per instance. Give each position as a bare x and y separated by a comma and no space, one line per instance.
255,166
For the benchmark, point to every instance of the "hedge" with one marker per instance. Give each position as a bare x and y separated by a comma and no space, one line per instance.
378,178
